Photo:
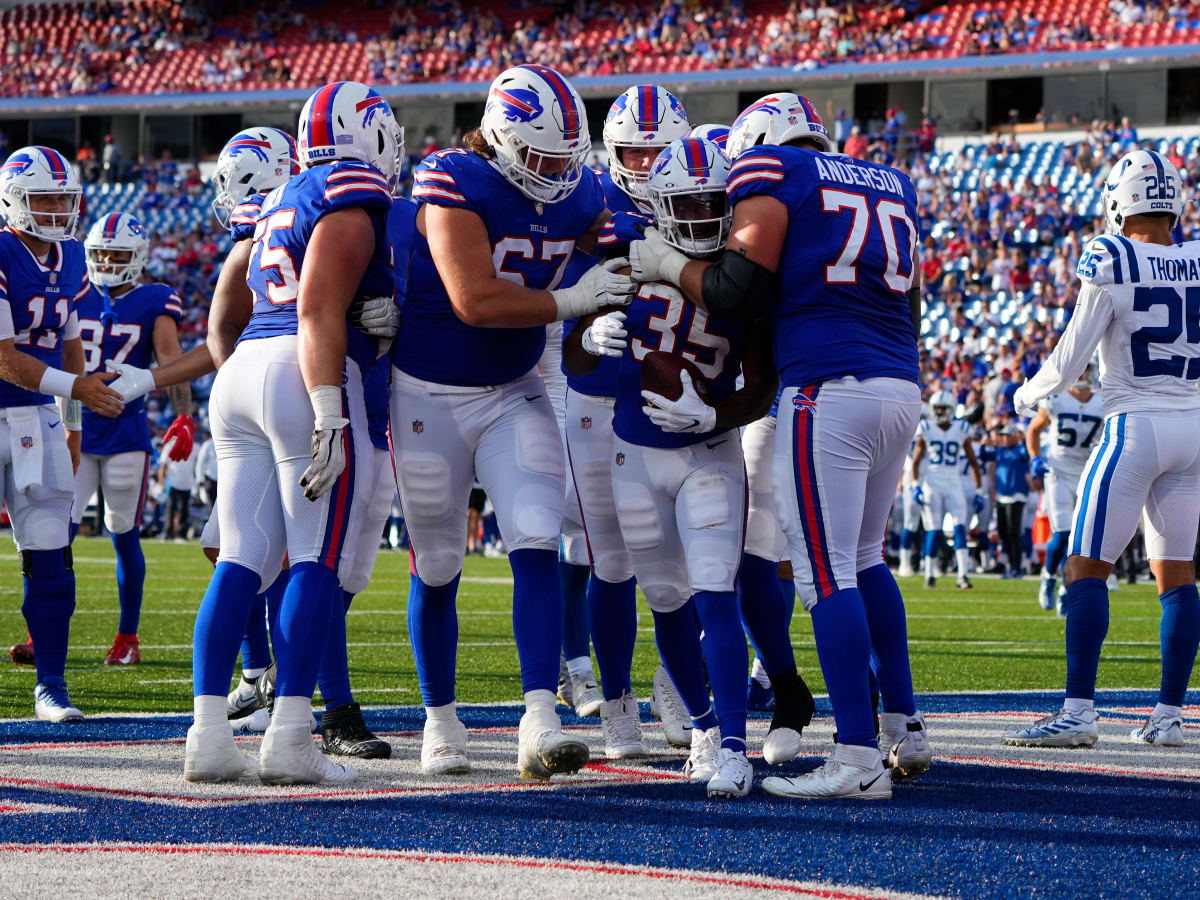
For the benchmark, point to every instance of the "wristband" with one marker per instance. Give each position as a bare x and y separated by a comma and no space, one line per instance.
71,412
326,402
57,382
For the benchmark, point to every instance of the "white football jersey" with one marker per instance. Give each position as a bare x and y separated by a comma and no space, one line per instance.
1140,303
944,453
1074,428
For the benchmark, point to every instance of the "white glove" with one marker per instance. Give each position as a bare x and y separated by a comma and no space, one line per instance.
376,316
653,259
600,286
606,336
328,444
689,413
132,381
1025,402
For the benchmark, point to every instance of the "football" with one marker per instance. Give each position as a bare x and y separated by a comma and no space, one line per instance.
660,374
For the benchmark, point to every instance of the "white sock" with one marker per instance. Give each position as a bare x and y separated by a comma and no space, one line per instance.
292,711
580,667
539,701
209,709
1075,704
962,558
759,673
251,674
929,567
442,714
1162,711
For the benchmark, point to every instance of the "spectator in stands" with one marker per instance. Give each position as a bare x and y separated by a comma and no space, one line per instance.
841,129
179,479
89,166
112,160
856,144
1127,136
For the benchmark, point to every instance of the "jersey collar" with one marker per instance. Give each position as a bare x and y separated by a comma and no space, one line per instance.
56,253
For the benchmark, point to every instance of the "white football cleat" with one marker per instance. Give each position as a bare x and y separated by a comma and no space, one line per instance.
210,755
289,755
585,695
1112,583
734,776
543,750
667,705
906,567
904,741
622,724
1163,731
52,703
1046,592
782,745
242,700
1058,601
255,723
701,763
564,683
850,771
444,748
1062,729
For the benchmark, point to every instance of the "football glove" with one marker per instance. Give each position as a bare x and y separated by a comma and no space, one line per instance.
376,316
600,286
653,259
978,503
1025,402
131,382
606,336
177,442
328,442
687,414
1038,467
620,230
918,495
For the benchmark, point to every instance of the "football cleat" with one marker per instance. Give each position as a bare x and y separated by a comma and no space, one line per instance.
701,764
543,750
265,687
290,756
667,705
585,695
850,771
1112,583
930,581
256,723
210,755
904,744
1164,731
1062,729
734,776
906,569
22,654
622,726
243,699
564,684
124,651
444,748
1046,592
783,740
964,583
344,732
51,703
759,698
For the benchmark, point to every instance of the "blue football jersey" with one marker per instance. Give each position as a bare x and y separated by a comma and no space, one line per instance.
244,218
289,215
40,297
847,264
618,201
122,331
531,245
376,395
659,318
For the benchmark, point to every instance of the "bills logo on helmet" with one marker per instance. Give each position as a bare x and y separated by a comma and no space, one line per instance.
618,105
519,105
676,106
249,145
371,104
16,165
768,103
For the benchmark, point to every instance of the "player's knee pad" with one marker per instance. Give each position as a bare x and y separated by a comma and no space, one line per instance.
536,516
425,485
663,597
764,538
638,515
45,523
437,567
612,565
712,564
707,501
123,472
539,451
593,482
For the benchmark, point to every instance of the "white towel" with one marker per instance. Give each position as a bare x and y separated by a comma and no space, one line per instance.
25,434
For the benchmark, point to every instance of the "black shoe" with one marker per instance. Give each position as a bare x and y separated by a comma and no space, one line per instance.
265,688
794,705
345,733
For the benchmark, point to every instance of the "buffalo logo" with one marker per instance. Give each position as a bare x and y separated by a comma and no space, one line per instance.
519,104
620,459
618,106
17,164
249,145
677,106
585,422
27,442
418,426
372,104
804,403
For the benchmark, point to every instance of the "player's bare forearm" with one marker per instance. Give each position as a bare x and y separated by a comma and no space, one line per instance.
1033,436
759,382
20,368
72,356
587,242
195,363
231,305
973,462
166,351
918,456
576,360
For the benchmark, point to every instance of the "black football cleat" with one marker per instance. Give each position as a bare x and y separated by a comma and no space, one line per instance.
344,732
264,687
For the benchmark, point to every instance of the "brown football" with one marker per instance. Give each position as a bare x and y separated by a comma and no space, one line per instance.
660,374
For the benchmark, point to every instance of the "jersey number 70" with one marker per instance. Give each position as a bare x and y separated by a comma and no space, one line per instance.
887,213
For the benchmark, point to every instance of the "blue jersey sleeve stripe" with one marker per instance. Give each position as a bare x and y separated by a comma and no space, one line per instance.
430,175
1135,274
756,160
741,180
356,175
368,190
1118,272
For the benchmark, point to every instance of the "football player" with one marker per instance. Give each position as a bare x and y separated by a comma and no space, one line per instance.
1072,422
499,220
43,275
125,321
827,245
942,444
292,451
1138,304
910,510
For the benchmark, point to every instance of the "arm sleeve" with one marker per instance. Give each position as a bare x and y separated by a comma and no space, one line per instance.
439,181
551,370
1093,314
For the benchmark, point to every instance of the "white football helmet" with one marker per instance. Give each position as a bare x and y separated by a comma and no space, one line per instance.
942,405
1087,378
1142,181
39,172
776,119
718,134
645,116
253,162
535,122
119,232
687,188
348,120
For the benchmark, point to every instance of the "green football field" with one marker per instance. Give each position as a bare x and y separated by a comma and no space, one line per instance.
992,638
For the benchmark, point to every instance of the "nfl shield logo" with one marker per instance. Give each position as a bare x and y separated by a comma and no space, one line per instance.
418,426
585,423
27,442
54,278
620,459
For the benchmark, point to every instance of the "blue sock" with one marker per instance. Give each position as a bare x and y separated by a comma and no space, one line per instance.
678,640
1086,608
1179,634
334,674
889,638
725,651
930,544
304,618
274,595
789,600
49,602
764,613
576,636
612,611
433,632
537,617
220,623
1056,551
960,537
74,530
906,539
1027,543
256,649
844,648
131,576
